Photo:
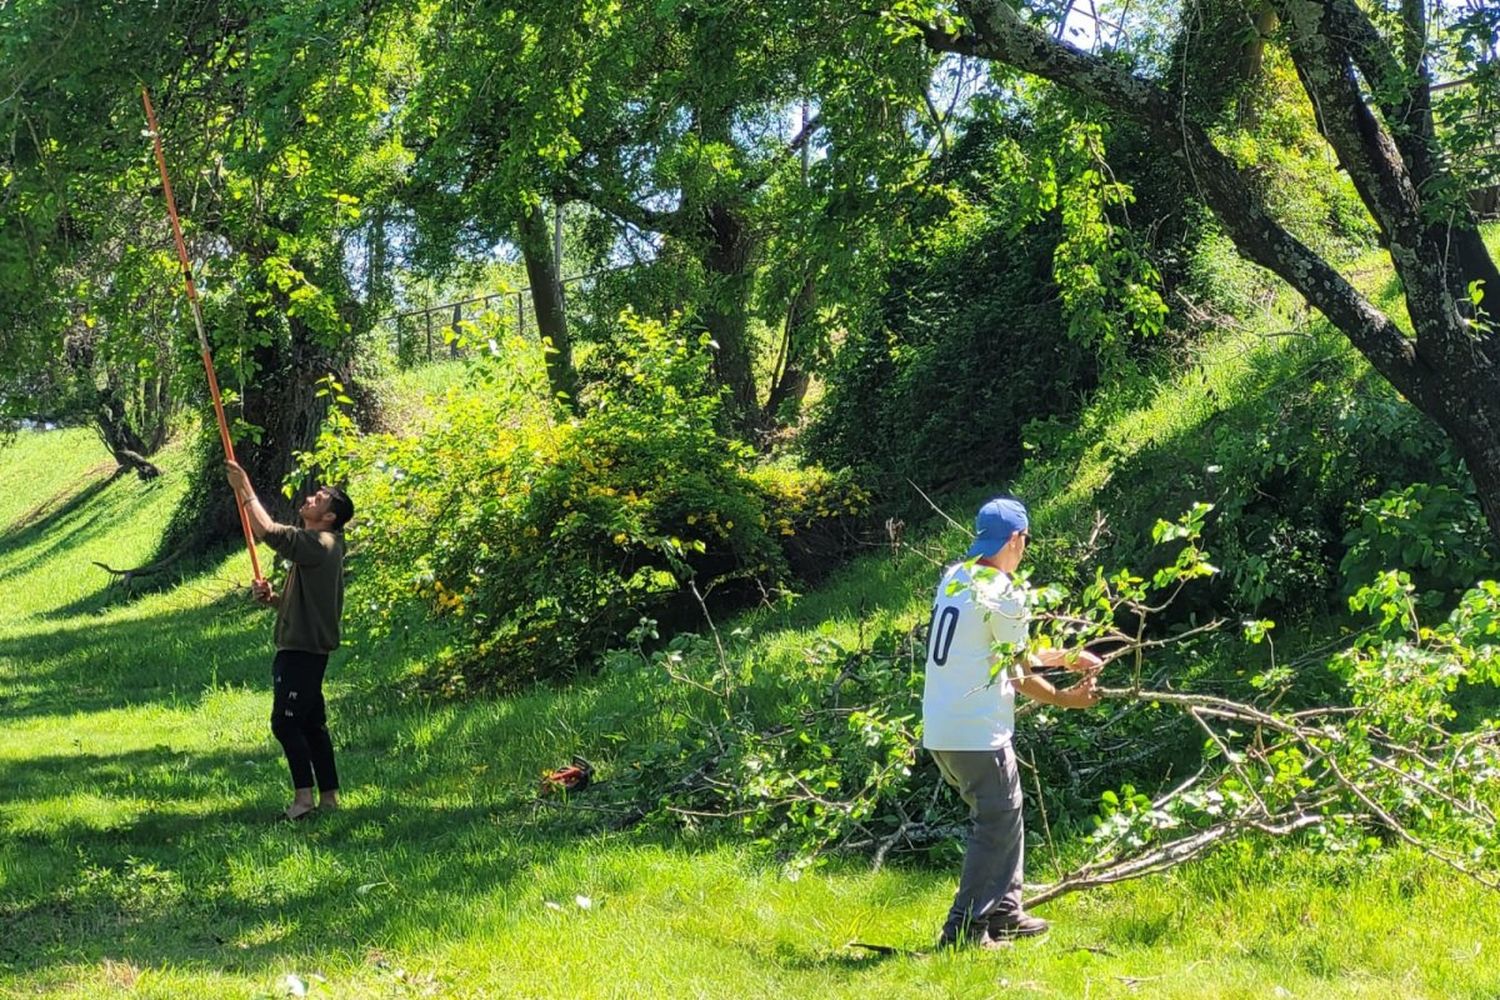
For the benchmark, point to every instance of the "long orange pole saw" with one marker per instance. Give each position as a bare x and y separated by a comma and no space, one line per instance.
192,294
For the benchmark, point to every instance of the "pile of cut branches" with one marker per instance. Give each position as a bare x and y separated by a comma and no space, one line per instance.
833,765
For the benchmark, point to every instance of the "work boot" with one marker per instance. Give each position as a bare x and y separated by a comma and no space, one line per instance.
1003,927
975,935
961,935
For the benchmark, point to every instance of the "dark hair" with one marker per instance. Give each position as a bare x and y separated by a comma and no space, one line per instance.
340,506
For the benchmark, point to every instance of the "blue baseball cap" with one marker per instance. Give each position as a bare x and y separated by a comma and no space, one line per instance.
995,523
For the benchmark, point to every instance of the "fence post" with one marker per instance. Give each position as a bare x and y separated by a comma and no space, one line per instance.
520,314
428,315
458,317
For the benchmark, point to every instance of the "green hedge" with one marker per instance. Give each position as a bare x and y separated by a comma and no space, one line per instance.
536,541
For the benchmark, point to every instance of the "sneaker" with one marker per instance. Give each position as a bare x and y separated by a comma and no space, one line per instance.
1017,926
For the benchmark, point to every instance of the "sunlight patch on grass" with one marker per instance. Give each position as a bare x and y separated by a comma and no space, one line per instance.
70,813
282,880
44,469
237,724
47,563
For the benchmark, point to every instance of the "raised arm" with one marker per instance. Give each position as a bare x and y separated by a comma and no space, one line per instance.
244,493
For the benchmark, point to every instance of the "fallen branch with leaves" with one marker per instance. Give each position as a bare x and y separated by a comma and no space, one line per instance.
1380,764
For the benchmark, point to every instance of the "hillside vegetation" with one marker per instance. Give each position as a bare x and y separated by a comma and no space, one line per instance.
140,786
667,349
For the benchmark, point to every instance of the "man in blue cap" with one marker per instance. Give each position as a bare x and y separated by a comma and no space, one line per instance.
977,658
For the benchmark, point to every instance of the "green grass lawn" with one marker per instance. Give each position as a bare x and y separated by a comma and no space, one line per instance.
139,787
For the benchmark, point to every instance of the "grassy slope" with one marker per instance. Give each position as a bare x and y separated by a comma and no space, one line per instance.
137,785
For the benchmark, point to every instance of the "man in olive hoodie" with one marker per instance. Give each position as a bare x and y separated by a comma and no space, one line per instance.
307,630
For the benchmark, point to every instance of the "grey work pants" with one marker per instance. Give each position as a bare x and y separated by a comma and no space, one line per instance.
990,886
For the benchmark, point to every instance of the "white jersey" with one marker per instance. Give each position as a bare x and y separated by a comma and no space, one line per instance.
967,703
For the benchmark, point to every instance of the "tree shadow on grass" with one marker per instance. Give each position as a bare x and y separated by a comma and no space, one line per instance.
77,520
160,658
167,857
37,522
114,592
853,957
173,882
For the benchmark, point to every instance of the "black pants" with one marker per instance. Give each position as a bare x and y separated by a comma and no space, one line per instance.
299,718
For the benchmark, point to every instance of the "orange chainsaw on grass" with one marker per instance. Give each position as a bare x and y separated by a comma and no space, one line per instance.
575,777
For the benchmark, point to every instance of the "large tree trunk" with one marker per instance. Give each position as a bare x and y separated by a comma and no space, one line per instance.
727,314
283,402
1482,455
1263,23
112,423
1451,369
157,407
544,272
1217,60
130,414
791,373
790,376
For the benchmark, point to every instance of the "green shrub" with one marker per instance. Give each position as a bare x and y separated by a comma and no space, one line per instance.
539,541
810,512
1436,533
1296,525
